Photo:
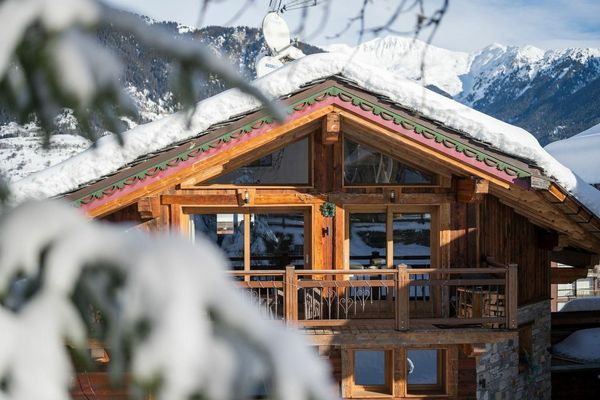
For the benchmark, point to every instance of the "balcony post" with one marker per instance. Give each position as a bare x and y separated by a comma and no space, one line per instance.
402,293
290,293
512,289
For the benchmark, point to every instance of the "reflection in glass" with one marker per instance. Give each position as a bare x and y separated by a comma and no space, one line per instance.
368,242
365,166
369,368
287,166
422,367
226,231
412,246
412,239
276,240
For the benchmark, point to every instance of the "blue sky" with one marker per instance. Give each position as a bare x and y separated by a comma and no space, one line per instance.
469,25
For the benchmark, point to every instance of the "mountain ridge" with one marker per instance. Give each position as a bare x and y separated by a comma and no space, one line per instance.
539,90
552,93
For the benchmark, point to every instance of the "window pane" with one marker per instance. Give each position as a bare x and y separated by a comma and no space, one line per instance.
365,166
285,166
276,240
226,231
422,367
412,239
369,368
412,246
368,240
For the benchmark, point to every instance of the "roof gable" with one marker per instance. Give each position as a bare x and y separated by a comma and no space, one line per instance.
330,93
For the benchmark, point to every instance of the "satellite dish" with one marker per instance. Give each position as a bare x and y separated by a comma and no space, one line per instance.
276,32
267,64
277,36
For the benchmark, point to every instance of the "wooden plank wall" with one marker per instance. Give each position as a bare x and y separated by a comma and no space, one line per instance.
463,235
467,377
511,238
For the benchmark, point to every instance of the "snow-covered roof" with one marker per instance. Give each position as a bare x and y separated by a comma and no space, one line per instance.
581,153
109,157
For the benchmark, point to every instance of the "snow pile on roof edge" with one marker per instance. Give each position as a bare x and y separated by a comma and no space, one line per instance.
580,153
108,156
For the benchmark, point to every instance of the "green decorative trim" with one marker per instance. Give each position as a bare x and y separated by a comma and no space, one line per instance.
328,209
333,91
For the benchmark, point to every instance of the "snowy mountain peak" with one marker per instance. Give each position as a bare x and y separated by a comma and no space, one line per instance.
552,93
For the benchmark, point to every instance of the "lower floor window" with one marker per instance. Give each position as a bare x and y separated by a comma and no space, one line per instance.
373,371
380,371
424,369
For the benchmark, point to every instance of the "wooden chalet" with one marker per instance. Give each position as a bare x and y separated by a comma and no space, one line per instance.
415,258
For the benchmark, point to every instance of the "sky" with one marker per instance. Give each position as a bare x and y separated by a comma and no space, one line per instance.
469,25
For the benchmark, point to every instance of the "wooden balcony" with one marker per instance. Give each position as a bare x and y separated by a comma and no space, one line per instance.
402,298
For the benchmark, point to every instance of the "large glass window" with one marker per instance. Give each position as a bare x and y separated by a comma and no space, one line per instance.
270,240
368,240
366,166
286,166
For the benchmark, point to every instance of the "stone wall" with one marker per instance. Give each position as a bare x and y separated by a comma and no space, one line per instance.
499,375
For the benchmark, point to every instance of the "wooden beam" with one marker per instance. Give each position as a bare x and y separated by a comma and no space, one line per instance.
331,128
574,258
555,191
413,337
471,190
474,349
255,198
567,275
400,198
149,207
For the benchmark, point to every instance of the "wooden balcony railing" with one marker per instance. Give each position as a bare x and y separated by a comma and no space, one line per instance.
398,297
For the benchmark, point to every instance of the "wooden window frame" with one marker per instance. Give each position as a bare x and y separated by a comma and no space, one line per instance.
345,135
246,212
369,391
227,170
390,210
425,390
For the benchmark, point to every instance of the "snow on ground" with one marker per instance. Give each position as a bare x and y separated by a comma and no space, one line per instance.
109,156
581,153
582,304
581,345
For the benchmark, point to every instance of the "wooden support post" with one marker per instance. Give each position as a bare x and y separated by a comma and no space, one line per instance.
331,128
402,294
511,296
290,294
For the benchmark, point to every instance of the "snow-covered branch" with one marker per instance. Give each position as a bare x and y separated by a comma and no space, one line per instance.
170,315
50,59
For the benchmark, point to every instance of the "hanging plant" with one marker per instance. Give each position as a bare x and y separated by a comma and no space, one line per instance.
328,209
